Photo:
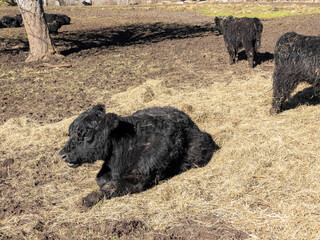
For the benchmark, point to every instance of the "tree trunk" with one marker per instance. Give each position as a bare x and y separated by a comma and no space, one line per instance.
41,47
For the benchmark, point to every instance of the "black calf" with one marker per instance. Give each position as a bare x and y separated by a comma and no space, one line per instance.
297,59
240,33
138,150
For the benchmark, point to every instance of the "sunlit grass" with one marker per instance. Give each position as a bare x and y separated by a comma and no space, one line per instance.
245,9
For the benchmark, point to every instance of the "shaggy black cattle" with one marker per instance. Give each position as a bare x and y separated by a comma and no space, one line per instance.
62,18
138,150
297,59
54,21
54,26
11,22
240,33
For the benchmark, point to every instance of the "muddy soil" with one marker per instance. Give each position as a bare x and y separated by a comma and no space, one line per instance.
116,49
112,50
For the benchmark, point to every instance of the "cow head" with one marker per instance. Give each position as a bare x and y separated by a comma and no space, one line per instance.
89,137
220,23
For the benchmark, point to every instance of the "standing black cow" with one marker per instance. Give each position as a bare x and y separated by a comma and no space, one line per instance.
240,33
297,60
138,150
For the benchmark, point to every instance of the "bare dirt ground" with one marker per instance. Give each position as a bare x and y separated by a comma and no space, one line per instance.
113,50
116,49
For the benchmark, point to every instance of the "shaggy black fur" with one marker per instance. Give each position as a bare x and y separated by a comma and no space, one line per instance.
240,33
11,22
54,26
297,59
138,150
62,18
54,21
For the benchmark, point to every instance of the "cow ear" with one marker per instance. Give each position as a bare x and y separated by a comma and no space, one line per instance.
217,20
99,107
112,121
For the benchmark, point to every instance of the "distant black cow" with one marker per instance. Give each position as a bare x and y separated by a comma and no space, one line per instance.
55,21
240,33
11,22
138,150
62,18
297,59
54,26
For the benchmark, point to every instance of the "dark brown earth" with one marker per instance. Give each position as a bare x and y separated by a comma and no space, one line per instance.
117,49
114,50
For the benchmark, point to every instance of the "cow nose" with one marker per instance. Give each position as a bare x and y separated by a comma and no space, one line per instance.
64,157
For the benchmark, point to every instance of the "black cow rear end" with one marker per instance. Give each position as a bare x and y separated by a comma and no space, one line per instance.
240,33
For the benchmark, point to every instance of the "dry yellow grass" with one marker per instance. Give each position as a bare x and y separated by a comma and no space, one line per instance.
264,180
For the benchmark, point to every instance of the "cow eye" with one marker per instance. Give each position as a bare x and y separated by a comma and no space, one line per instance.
88,135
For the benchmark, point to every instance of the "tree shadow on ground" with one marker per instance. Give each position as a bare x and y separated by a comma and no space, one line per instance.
13,45
307,96
259,58
73,42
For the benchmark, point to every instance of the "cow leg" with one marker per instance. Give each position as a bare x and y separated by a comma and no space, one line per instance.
92,199
121,187
283,85
279,96
232,54
250,55
114,188
131,183
104,175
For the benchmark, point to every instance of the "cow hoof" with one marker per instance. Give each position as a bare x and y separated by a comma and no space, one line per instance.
92,199
110,189
274,111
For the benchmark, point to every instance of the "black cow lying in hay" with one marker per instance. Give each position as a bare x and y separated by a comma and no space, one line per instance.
240,33
297,60
11,22
138,150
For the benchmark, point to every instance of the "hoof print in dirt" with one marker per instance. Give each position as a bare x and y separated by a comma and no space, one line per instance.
138,150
